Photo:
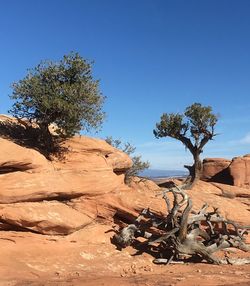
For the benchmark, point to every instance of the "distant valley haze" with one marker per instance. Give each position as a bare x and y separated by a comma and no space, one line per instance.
154,173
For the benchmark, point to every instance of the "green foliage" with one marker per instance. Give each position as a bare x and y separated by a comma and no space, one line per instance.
194,128
62,93
201,121
171,125
138,165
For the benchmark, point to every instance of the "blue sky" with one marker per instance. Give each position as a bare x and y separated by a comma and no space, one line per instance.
151,56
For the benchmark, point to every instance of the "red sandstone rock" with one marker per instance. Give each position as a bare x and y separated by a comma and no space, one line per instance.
22,186
232,209
44,217
124,204
88,153
87,257
86,170
15,157
215,169
144,185
26,176
89,171
235,172
90,179
233,191
240,171
127,203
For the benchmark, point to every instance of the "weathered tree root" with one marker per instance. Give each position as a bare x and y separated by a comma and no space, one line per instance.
196,236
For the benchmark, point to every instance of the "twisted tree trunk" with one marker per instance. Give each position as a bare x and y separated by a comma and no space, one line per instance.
46,137
195,171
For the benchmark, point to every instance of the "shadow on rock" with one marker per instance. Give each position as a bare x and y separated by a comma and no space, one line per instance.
26,135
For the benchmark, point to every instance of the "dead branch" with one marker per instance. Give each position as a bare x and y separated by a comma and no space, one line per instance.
185,233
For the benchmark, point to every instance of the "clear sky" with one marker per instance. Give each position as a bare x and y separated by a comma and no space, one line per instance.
152,56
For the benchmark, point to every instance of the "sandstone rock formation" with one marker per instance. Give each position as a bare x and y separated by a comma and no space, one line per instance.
28,183
234,172
56,216
86,185
47,217
83,187
215,169
16,158
239,170
214,195
232,191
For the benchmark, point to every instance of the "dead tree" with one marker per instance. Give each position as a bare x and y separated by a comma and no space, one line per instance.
184,235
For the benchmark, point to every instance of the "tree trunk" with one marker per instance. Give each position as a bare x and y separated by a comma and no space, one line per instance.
197,167
46,137
195,171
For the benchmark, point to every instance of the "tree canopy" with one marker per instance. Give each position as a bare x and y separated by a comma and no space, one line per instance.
194,128
62,93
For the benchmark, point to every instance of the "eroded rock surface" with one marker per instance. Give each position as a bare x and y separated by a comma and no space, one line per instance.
28,183
47,217
57,217
240,171
16,158
216,169
234,172
88,184
60,184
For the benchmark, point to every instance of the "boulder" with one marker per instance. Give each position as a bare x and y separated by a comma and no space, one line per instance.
239,170
44,217
216,170
87,153
235,172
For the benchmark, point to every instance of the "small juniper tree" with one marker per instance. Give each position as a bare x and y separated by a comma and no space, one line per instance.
62,93
194,129
138,165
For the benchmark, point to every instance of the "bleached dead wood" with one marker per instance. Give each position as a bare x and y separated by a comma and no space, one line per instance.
184,233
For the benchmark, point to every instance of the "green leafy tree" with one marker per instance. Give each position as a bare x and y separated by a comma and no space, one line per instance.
62,93
138,164
194,129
